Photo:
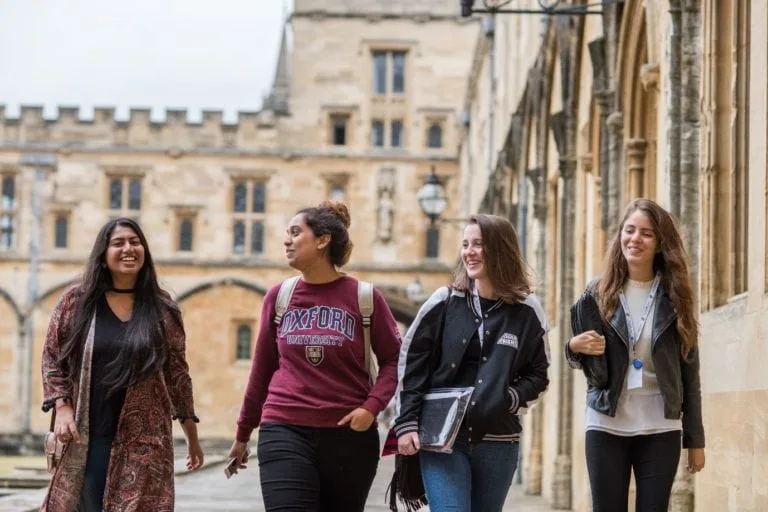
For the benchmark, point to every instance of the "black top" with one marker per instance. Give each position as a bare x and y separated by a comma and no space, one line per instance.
469,363
105,411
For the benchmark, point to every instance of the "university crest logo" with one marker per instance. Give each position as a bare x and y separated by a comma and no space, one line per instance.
314,354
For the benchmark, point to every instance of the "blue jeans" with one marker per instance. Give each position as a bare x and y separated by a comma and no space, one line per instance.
474,478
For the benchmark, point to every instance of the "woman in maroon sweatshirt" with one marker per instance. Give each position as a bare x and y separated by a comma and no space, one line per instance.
309,392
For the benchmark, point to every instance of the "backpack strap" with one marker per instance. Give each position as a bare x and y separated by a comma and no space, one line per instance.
284,297
365,303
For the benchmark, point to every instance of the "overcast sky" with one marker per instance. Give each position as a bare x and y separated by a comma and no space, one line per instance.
190,54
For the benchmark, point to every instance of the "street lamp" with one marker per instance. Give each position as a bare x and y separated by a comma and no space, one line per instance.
433,201
432,197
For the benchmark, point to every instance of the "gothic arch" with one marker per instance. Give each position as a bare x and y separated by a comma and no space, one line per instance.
637,86
221,282
7,296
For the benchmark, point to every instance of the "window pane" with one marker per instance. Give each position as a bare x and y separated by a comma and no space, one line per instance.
398,72
185,235
134,194
6,232
397,134
62,227
257,238
339,128
244,336
435,136
377,134
8,200
433,242
259,197
241,196
338,193
116,194
238,237
379,72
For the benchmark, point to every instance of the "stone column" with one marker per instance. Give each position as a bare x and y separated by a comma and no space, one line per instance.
534,463
615,124
636,167
562,480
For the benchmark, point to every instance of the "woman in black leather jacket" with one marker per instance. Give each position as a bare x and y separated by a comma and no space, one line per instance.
635,338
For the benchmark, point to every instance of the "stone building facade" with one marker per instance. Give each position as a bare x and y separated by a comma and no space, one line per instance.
365,101
661,99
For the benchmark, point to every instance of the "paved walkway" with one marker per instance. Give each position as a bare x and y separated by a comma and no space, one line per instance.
207,490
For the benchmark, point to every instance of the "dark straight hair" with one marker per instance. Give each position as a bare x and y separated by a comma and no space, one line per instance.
143,350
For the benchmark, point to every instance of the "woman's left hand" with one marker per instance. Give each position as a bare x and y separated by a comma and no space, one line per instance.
194,455
359,420
695,460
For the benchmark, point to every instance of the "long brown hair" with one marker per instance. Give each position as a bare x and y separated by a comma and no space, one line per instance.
670,261
503,260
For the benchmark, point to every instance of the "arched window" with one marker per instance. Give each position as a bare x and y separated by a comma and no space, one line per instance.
244,336
435,136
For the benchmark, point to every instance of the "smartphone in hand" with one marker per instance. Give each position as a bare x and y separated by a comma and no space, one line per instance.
232,466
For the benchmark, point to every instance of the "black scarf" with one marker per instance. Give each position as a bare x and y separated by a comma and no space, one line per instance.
406,484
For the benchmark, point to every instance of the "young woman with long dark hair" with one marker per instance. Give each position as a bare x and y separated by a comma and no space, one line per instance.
310,391
114,369
486,331
635,337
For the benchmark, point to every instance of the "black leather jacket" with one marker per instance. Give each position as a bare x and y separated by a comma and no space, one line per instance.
512,370
678,377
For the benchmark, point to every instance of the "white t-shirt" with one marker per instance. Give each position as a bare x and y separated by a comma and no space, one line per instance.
640,411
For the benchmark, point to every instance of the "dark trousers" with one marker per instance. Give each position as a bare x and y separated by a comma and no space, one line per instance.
95,479
611,459
306,469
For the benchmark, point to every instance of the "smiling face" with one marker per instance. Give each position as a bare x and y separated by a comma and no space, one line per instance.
302,247
472,252
639,242
125,254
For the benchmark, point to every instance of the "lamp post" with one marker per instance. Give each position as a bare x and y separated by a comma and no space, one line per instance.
433,201
39,161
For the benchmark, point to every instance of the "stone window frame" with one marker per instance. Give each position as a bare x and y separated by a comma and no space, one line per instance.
56,212
9,211
346,112
238,327
390,53
725,198
249,219
181,214
127,176
336,180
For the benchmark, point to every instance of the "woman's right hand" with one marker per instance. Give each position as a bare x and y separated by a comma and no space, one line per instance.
65,427
408,444
588,343
239,451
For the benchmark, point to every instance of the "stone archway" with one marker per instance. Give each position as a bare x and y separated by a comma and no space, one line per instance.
10,330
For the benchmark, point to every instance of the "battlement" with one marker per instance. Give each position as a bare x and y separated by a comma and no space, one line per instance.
252,129
384,8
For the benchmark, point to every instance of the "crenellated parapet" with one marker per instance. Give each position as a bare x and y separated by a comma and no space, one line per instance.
175,132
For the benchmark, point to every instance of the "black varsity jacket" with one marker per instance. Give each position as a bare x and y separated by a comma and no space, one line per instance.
511,371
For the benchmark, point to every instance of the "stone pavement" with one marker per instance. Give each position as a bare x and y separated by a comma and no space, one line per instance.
211,491
207,490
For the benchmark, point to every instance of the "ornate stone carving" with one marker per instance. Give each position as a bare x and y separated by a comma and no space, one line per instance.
386,208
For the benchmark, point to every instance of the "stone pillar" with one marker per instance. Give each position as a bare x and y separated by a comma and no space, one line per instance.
534,463
562,480
615,124
636,167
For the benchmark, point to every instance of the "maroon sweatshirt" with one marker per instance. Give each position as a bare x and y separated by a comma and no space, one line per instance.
310,371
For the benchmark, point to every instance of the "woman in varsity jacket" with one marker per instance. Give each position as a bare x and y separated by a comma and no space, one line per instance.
311,392
487,331
635,338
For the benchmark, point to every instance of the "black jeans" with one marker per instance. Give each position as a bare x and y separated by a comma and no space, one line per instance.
306,469
611,458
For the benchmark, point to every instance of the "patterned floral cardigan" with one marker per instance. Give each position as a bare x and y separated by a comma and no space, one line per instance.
140,474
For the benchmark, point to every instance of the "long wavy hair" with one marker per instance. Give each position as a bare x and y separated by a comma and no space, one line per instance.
502,258
143,350
670,261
